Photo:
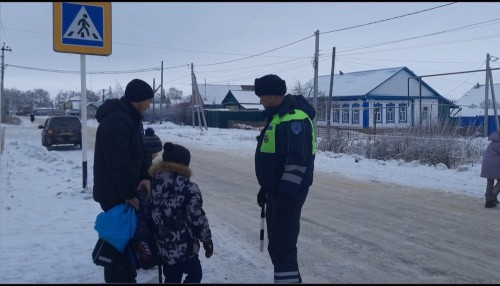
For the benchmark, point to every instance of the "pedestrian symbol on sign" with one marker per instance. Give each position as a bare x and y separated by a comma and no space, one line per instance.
83,28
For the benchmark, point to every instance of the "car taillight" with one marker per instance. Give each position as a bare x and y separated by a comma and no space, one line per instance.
49,132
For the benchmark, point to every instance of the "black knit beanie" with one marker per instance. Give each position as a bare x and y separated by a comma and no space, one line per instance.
176,154
270,85
138,90
152,143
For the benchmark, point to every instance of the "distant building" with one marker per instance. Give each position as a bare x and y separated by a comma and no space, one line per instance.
242,100
213,94
92,108
472,107
73,107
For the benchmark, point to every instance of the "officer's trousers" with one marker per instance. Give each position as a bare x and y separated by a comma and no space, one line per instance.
283,227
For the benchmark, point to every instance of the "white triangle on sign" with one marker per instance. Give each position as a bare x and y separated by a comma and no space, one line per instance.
82,28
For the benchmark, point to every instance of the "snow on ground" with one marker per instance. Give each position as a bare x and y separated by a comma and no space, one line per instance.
46,220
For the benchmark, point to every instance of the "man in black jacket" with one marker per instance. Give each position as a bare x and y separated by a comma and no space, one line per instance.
284,165
120,163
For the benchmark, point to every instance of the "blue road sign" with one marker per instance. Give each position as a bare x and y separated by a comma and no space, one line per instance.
82,27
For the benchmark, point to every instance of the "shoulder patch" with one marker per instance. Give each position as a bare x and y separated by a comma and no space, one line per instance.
296,127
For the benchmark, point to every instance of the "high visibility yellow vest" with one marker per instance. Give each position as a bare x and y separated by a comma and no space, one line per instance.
269,141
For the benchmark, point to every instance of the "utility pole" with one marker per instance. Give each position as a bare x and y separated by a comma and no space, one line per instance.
2,100
329,102
161,90
103,90
493,100
486,96
154,94
197,101
316,56
192,95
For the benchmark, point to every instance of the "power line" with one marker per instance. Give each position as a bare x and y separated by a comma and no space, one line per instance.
357,26
429,45
77,72
388,19
246,57
254,74
242,68
1,24
260,54
199,65
94,72
465,81
396,60
422,36
420,46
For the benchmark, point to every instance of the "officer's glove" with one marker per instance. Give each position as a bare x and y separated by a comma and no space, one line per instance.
209,248
261,197
283,205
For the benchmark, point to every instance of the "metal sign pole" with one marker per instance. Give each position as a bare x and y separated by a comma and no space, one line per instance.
83,112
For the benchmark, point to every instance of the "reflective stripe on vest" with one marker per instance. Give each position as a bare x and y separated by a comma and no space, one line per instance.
269,141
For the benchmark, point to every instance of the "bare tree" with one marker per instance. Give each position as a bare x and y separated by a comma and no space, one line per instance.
302,89
174,94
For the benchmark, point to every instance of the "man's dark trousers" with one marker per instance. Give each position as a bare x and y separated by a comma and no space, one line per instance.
283,227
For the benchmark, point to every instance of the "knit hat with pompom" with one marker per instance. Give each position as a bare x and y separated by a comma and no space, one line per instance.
152,143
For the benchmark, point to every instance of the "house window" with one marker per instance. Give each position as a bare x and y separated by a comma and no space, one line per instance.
336,114
345,113
425,112
378,113
402,113
355,113
389,113
321,114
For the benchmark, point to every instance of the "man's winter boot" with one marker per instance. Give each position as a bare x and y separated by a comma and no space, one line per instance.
490,199
490,204
495,192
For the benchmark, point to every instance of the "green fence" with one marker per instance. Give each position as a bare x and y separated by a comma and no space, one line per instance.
226,118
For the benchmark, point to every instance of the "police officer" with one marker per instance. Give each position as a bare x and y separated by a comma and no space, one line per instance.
284,165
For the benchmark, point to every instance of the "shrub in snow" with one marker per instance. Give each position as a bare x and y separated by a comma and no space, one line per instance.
463,168
441,166
432,144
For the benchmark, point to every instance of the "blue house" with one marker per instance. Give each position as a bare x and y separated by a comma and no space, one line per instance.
383,98
472,108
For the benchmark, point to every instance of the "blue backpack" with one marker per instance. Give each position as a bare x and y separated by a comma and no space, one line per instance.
117,226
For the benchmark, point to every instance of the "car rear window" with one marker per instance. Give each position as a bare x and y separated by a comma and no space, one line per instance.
65,122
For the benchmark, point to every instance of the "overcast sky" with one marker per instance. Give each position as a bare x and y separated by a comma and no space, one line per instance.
210,34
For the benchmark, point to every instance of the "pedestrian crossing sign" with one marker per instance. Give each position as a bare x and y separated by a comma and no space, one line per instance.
82,27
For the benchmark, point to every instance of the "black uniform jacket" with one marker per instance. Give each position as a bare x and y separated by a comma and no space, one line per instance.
290,169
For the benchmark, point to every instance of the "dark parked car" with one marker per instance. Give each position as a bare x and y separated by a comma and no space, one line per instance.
60,130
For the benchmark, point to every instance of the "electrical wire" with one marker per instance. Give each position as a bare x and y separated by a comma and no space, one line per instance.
421,46
225,62
388,19
418,37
